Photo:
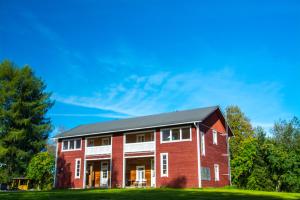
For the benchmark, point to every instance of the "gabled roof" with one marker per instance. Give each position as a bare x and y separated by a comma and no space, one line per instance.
138,123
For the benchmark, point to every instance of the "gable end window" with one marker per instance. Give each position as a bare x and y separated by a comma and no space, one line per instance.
176,134
215,137
71,145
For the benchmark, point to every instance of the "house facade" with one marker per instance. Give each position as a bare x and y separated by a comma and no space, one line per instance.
185,149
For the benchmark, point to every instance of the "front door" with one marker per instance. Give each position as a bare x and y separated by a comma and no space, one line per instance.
104,174
140,174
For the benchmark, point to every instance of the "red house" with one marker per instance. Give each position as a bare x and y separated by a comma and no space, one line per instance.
178,149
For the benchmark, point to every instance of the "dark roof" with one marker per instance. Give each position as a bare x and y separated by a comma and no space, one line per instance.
151,121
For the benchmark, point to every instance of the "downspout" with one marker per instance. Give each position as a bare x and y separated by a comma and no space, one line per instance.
55,169
228,153
198,155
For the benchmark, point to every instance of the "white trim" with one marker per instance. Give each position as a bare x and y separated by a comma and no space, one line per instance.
217,172
68,140
124,161
145,156
88,159
76,160
155,173
161,164
98,136
180,134
123,130
84,173
55,169
215,136
198,156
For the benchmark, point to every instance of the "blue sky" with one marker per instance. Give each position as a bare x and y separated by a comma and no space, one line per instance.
106,60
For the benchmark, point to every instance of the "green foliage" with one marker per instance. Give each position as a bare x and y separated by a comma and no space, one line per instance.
24,128
242,145
41,170
264,163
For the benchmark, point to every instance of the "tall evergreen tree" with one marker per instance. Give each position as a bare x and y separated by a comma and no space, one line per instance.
24,128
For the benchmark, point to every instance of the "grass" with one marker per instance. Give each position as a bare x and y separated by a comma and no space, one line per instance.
147,194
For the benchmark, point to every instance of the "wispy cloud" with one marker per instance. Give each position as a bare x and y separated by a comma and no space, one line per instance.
166,91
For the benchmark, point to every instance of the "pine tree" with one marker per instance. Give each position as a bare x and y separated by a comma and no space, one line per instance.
24,127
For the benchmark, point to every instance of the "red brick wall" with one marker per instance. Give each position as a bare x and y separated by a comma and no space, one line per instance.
182,161
117,160
65,169
215,154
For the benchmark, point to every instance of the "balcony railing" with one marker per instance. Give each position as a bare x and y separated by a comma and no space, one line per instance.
98,150
139,146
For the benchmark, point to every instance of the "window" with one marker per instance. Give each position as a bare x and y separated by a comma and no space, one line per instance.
91,143
70,145
105,141
185,133
203,143
205,173
176,134
217,176
140,138
77,167
65,145
215,137
78,144
164,164
166,135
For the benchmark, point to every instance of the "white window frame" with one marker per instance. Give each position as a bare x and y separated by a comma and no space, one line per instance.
215,137
180,134
202,143
68,149
217,172
161,165
140,135
77,176
92,141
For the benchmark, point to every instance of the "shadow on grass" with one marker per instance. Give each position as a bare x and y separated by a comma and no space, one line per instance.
144,194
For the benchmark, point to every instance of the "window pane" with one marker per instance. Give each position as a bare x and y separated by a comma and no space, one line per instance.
78,144
175,134
185,133
166,135
71,144
90,143
65,145
205,173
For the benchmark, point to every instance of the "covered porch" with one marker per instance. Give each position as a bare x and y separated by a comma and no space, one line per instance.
140,172
98,173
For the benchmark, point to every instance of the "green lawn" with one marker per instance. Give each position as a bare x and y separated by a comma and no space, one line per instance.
148,194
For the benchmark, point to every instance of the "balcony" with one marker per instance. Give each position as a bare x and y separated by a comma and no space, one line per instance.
139,146
98,150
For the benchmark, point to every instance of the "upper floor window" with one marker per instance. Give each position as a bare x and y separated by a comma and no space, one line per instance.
215,137
98,141
140,138
176,134
73,144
